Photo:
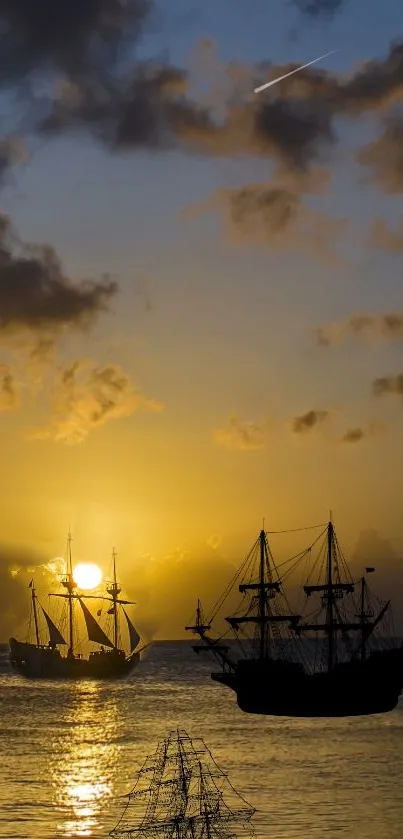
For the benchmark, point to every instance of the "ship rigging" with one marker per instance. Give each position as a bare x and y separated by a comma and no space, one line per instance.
46,660
347,668
181,793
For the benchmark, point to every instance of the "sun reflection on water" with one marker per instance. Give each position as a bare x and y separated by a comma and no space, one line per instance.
83,772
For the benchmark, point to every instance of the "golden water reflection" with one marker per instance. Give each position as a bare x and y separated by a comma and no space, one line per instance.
86,757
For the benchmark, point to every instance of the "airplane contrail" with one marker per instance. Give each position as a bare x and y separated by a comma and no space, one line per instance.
291,73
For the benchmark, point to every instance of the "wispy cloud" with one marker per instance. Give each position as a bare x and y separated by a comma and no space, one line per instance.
242,435
388,385
9,389
387,326
353,435
368,431
306,422
274,215
85,396
319,8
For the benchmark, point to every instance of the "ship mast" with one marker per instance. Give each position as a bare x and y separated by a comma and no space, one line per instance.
329,609
333,589
203,796
114,591
266,590
94,631
183,782
70,585
212,645
35,611
363,619
262,599
366,614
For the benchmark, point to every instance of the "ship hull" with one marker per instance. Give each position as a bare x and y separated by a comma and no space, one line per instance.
41,662
356,688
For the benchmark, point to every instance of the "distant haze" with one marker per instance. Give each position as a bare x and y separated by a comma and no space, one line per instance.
166,589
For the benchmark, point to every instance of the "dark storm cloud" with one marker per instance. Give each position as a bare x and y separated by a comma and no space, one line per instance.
76,38
151,105
295,124
373,86
388,385
147,108
305,422
384,156
377,84
36,295
83,50
294,131
131,103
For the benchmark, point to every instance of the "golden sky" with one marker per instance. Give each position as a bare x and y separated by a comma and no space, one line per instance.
201,313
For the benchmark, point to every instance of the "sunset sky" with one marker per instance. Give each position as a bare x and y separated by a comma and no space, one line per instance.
201,298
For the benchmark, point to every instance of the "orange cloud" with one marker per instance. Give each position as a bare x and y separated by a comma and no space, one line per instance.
85,396
242,435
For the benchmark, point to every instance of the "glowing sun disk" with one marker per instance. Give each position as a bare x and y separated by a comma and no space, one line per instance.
87,575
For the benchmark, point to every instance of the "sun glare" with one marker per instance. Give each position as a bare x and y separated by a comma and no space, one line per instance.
87,575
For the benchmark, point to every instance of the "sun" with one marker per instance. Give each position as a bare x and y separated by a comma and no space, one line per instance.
87,575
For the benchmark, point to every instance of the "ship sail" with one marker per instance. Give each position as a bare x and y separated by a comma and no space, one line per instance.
55,636
50,652
95,633
133,634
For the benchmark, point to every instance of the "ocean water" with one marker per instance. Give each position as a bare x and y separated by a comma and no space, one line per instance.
69,751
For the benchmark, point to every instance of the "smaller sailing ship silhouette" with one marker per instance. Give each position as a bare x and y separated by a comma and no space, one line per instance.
45,661
181,792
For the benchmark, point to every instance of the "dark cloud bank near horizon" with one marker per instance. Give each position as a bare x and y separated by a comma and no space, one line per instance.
203,574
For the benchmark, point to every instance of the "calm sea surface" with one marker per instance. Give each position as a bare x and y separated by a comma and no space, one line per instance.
67,752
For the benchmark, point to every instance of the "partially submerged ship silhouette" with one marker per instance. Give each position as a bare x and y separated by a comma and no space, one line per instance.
45,661
352,665
181,792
